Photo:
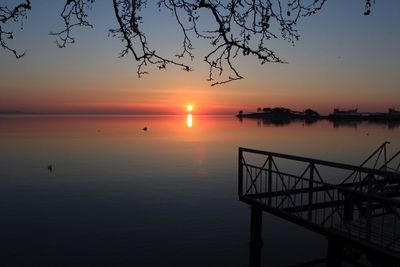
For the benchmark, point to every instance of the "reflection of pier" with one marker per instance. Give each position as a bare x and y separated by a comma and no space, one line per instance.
352,206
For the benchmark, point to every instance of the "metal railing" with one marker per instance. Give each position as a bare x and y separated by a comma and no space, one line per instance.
383,184
296,188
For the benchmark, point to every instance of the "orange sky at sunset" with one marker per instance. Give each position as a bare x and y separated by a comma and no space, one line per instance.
346,63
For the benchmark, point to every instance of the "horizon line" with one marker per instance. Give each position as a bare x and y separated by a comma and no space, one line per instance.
110,114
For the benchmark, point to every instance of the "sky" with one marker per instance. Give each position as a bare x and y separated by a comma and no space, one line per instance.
343,59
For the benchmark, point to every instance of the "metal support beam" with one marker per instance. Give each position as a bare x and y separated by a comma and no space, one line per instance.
256,242
310,194
256,226
240,173
348,207
335,252
269,180
255,256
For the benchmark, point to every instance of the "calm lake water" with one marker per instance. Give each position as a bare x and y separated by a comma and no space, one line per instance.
120,196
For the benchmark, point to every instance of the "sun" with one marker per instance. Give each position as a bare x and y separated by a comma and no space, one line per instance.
189,108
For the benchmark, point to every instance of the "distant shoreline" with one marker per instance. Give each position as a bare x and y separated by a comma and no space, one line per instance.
29,113
33,115
14,112
285,114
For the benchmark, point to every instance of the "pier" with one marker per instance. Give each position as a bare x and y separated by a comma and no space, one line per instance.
354,207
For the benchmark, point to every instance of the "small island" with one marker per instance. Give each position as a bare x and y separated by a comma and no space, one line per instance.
282,114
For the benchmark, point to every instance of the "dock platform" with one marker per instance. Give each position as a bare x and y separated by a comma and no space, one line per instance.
352,206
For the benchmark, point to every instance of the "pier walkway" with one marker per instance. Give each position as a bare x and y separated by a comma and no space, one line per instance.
353,206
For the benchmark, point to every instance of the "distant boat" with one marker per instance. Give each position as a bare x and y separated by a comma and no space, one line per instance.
353,114
346,114
350,112
393,113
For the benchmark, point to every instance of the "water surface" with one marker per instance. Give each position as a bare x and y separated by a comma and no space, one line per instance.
121,196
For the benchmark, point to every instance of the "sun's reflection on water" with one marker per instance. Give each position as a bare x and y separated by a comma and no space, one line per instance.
189,120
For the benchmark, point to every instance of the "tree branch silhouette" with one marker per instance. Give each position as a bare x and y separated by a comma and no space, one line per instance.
129,20
238,28
12,14
74,14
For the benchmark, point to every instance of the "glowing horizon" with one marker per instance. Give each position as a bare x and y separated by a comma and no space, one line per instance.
336,64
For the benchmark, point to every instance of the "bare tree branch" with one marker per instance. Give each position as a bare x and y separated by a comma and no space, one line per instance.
74,15
242,27
368,5
129,20
15,14
239,28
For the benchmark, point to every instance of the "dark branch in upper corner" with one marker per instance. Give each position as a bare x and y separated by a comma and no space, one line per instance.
129,20
13,14
238,28
74,14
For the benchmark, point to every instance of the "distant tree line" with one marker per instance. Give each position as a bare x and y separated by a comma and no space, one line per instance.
282,110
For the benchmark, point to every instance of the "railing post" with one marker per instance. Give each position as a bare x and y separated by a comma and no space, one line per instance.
369,217
269,179
240,172
335,252
256,226
384,153
310,192
348,207
256,242
369,181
